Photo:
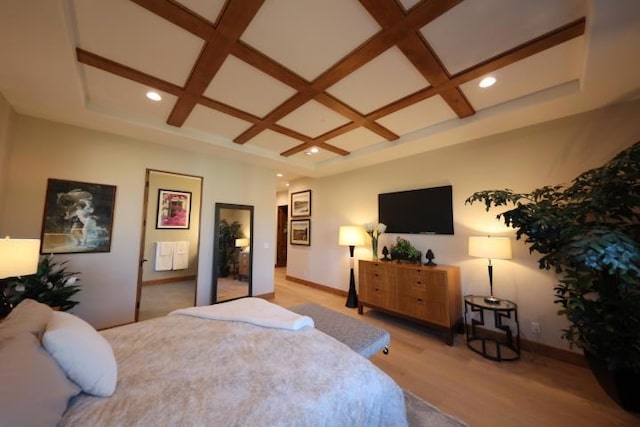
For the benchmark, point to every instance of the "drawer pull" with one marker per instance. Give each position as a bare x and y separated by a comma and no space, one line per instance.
420,300
418,283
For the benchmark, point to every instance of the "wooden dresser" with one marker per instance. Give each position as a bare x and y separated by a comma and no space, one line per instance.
429,295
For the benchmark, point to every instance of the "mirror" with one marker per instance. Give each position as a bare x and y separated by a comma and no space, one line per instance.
232,252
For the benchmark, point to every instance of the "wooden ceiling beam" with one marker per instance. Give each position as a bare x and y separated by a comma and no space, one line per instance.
104,64
546,41
398,29
177,14
234,20
227,109
370,49
268,66
348,112
390,15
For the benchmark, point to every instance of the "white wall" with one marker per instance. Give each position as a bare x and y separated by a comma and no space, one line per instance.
42,150
521,160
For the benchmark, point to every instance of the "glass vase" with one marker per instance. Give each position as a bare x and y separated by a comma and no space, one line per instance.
374,249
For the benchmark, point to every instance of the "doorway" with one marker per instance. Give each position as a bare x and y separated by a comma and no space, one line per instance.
282,236
168,258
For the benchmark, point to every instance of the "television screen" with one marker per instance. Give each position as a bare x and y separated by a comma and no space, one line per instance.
423,211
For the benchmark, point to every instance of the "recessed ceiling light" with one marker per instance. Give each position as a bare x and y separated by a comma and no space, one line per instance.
279,175
154,96
287,184
487,81
314,150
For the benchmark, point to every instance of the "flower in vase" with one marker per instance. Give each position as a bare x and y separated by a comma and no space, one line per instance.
374,231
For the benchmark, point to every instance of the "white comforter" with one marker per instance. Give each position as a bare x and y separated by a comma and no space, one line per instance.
187,371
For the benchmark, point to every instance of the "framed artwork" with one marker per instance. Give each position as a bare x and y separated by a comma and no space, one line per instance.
301,203
78,217
300,232
174,209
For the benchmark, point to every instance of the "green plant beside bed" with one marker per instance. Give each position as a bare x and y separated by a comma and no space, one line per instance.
52,285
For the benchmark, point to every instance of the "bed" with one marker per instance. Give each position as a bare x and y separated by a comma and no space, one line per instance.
188,370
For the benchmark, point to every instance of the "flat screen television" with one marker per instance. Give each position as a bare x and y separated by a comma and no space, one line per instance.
423,211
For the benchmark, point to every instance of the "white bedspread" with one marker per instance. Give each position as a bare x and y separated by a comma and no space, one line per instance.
187,371
256,311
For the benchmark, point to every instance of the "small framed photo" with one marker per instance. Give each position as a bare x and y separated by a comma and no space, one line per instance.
300,232
78,217
301,203
174,209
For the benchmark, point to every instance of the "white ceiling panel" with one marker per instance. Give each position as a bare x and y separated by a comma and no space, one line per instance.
106,91
529,75
426,113
313,159
309,36
219,124
408,4
387,78
208,9
356,139
313,119
492,27
273,141
246,88
143,41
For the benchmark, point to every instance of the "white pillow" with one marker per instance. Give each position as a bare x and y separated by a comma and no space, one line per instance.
84,355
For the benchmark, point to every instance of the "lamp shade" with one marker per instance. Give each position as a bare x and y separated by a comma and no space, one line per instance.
350,235
242,243
490,247
18,257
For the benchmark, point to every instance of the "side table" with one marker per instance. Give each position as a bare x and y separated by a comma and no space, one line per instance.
493,345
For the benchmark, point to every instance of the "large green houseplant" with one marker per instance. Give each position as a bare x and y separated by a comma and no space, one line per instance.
589,233
52,285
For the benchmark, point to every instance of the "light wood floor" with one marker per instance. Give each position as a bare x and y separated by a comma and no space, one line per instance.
534,391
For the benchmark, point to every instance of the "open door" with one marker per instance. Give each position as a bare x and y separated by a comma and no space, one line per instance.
168,257
282,238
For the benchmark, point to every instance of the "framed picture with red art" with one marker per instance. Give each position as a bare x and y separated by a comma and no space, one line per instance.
174,209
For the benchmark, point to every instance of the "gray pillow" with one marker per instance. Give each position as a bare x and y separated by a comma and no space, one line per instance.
28,316
35,391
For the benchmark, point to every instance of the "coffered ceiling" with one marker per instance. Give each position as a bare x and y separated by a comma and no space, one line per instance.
270,81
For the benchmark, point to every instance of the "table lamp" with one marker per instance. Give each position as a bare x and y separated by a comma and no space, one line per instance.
18,257
490,248
352,236
242,243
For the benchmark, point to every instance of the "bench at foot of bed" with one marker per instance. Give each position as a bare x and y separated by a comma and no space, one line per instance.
362,337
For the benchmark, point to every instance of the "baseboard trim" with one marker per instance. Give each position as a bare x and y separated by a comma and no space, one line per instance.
168,280
527,345
316,285
270,295
542,349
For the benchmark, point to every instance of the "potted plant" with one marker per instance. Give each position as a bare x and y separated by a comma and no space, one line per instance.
52,285
589,231
227,235
403,251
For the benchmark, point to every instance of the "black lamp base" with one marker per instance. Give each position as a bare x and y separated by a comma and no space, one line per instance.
352,296
492,300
